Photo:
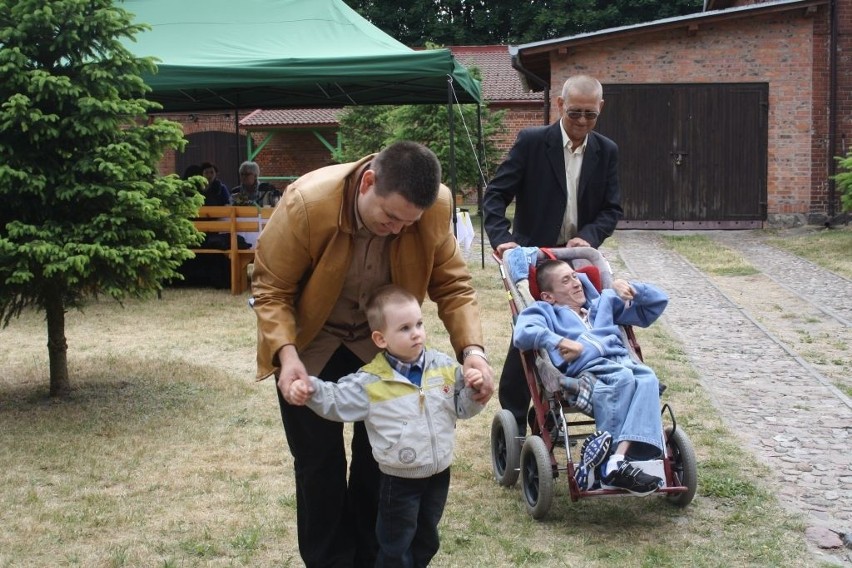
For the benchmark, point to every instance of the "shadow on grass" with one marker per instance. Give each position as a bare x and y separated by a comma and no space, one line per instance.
118,394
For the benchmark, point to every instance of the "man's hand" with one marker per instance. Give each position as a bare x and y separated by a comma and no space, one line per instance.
577,242
486,388
292,369
570,349
624,290
300,392
504,247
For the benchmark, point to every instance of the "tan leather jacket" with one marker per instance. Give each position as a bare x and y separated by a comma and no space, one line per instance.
305,249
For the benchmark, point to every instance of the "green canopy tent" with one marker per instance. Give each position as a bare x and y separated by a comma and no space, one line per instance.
217,54
223,54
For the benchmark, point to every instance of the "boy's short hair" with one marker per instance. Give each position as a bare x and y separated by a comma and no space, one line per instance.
542,273
380,299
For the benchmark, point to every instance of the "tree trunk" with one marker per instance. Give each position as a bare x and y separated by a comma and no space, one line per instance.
57,347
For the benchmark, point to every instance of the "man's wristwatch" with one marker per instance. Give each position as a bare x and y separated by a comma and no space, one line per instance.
474,351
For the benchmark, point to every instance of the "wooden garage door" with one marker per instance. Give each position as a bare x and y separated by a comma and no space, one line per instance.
690,155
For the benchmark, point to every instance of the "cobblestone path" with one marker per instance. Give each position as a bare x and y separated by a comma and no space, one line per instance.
785,410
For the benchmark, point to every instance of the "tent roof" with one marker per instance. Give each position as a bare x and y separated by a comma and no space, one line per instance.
216,54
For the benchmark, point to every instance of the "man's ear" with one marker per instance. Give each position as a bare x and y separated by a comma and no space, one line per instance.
368,180
379,339
547,297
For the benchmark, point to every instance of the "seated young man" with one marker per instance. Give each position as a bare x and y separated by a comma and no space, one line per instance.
579,329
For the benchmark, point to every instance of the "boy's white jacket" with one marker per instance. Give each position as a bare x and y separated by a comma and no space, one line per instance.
411,428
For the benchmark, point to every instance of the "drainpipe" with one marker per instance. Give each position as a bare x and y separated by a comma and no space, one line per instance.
518,66
832,112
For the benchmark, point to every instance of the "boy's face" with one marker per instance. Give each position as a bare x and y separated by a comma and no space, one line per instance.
404,335
565,288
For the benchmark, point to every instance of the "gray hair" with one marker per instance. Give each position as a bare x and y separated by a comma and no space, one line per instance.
250,167
583,85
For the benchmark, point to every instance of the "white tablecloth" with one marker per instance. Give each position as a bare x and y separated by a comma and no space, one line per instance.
464,229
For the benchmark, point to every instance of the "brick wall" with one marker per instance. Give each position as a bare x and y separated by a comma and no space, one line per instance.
788,50
843,136
518,116
293,152
288,153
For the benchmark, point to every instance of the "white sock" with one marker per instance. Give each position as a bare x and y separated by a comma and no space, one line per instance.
612,464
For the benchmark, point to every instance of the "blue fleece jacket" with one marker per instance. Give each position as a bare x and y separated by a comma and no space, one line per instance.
542,325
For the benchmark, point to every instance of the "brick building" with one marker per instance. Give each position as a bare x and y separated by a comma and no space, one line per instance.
725,118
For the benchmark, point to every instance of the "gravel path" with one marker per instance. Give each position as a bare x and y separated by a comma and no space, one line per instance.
786,409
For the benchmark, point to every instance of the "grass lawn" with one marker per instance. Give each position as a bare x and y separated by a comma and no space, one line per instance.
168,453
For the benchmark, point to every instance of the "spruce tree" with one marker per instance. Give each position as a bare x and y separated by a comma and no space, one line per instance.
84,211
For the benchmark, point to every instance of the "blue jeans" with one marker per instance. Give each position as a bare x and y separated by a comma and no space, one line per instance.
626,400
409,512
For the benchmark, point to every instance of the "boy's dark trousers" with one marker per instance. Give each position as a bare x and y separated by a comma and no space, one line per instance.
409,512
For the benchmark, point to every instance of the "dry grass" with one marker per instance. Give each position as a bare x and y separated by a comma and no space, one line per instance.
829,248
169,454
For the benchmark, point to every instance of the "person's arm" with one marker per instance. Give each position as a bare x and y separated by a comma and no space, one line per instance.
451,288
343,401
281,261
469,383
292,371
499,194
476,362
533,328
637,303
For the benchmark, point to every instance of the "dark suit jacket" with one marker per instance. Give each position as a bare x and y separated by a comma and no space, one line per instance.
533,174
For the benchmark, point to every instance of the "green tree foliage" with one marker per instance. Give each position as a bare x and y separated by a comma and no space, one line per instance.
844,181
367,129
478,22
84,210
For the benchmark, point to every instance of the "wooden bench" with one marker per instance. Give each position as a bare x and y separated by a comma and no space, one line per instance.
233,220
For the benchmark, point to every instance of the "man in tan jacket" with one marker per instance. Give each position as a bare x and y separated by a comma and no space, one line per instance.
339,233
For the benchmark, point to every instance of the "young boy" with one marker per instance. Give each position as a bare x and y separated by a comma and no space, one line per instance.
579,329
409,398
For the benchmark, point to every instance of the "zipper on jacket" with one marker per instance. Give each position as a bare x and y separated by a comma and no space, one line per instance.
594,341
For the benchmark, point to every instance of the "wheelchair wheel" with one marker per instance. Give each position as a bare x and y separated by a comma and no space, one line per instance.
683,464
505,448
536,477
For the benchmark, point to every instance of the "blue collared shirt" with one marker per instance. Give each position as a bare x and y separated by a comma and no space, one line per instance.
413,371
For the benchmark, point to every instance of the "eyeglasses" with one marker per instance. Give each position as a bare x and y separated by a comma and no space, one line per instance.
578,114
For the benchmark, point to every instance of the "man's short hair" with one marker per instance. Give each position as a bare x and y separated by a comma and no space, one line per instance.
543,271
380,299
582,84
409,169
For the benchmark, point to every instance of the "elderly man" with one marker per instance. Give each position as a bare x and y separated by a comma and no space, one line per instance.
250,191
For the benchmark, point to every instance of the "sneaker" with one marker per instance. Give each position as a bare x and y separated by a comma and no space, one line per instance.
592,454
632,479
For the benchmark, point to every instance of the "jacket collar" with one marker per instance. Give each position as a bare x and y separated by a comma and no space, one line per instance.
347,220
